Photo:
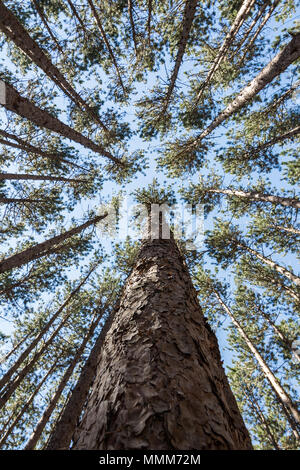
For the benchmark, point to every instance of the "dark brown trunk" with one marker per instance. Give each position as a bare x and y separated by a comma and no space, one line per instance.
160,383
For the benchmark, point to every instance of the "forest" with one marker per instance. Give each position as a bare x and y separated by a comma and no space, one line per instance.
119,330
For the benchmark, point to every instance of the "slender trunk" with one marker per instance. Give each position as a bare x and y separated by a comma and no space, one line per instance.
31,253
188,17
250,28
15,31
160,383
17,176
26,405
280,269
280,138
257,196
11,387
275,67
293,414
45,23
62,433
74,11
106,42
264,21
240,18
292,230
130,12
150,6
57,395
42,332
16,103
278,332
12,200
259,413
15,348
25,146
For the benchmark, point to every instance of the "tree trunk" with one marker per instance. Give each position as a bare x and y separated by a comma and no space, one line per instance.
240,18
17,176
26,405
160,383
42,332
280,269
259,413
106,42
35,251
26,147
66,377
257,196
61,436
288,406
15,31
16,103
275,67
188,17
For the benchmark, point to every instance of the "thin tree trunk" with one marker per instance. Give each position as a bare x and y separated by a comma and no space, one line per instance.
42,332
275,67
26,405
18,176
16,103
280,269
15,348
45,23
67,375
292,230
187,23
160,382
12,200
265,20
11,387
240,18
130,12
293,414
74,11
257,410
105,39
31,253
25,146
280,138
150,6
250,28
279,333
258,196
15,31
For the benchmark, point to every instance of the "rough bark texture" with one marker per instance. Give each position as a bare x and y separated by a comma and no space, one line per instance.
160,383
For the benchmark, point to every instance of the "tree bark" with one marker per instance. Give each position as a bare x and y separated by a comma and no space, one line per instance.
31,253
160,383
